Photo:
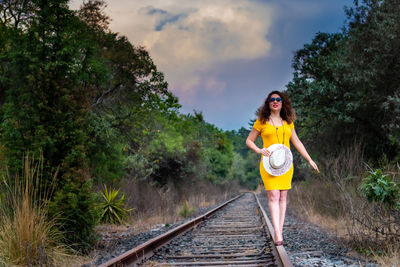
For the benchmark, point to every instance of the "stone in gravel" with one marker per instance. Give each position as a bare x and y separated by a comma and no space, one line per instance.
305,239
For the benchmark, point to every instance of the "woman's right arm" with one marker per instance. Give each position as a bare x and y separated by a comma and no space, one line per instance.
250,143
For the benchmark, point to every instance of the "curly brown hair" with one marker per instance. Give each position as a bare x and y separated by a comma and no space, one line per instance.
287,112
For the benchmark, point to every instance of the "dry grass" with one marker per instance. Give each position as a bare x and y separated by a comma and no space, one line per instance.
27,237
343,227
260,189
134,227
389,258
333,201
161,205
202,201
315,198
155,207
71,260
335,226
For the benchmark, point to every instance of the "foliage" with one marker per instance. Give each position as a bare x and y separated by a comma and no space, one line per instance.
74,206
47,62
106,149
99,110
112,208
184,147
245,165
130,97
345,85
380,188
186,210
135,128
345,91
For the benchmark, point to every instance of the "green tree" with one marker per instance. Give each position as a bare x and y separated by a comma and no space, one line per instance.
129,97
46,62
245,166
373,67
345,85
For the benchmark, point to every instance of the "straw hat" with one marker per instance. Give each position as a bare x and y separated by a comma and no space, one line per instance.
279,161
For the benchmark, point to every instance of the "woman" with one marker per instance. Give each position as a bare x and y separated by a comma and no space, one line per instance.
275,125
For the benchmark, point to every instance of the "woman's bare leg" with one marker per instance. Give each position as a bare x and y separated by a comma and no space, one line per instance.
274,209
282,209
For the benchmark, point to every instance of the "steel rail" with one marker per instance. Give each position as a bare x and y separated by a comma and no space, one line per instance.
144,251
279,250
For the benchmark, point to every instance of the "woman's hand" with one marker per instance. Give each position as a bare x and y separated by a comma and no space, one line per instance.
264,152
312,163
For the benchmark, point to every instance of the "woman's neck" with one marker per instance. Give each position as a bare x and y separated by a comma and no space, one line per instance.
275,119
275,115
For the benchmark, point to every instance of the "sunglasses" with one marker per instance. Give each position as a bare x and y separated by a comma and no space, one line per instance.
272,99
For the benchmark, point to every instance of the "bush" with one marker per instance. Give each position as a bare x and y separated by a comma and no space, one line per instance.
339,195
186,210
381,188
74,205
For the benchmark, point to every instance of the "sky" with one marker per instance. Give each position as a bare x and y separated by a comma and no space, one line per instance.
223,57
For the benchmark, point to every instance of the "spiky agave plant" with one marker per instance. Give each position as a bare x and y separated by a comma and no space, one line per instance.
113,207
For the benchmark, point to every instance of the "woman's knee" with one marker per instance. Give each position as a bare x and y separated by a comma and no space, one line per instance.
282,196
273,196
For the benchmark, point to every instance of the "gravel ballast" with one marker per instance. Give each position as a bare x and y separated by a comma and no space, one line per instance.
113,244
306,244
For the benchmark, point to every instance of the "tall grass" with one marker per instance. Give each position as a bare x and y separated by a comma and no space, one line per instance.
162,205
334,199
27,236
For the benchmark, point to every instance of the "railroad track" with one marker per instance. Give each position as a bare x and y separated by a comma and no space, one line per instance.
237,233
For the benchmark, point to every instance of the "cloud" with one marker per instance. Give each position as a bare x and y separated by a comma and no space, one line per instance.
212,84
187,38
222,57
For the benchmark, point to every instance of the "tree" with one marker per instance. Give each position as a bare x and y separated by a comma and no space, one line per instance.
127,98
46,62
346,84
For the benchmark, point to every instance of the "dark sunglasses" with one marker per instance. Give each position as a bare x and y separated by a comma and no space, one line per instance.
272,99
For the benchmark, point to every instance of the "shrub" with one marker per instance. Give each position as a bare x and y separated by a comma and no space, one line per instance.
113,210
186,210
381,188
74,206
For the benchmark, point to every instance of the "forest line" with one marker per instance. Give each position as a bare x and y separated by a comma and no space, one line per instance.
99,112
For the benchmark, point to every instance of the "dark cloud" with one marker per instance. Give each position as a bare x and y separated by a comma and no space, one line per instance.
249,81
152,11
223,57
165,17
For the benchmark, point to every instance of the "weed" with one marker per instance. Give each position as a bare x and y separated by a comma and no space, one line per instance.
186,210
381,188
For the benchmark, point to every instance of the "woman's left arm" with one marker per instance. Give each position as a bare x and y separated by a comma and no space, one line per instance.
300,147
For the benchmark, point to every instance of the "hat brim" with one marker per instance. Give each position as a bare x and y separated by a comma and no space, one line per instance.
288,161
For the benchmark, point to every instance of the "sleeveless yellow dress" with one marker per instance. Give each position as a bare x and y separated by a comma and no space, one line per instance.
271,136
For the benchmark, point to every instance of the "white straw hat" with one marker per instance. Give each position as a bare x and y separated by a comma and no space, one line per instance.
279,161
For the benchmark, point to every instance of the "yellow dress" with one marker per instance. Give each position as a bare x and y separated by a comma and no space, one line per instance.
271,136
